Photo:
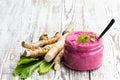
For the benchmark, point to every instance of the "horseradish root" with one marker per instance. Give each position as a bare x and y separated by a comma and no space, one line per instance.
51,50
40,51
57,60
68,29
44,37
58,46
27,45
41,42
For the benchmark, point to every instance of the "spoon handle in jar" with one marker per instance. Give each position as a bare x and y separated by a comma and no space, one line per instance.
107,28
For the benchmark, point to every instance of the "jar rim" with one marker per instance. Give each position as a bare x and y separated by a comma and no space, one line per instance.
71,39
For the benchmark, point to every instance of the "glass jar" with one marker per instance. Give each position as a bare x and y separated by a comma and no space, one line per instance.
82,56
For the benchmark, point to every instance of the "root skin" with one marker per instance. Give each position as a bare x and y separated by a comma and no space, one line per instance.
58,46
41,42
58,59
38,52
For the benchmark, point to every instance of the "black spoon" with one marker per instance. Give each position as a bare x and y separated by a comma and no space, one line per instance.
106,29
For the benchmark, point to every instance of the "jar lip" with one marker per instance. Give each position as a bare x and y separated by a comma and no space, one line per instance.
71,40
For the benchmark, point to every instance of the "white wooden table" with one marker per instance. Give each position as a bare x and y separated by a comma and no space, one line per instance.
27,19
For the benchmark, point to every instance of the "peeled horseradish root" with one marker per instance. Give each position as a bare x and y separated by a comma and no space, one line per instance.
82,51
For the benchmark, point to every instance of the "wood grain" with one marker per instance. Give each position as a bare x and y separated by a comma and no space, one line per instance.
28,19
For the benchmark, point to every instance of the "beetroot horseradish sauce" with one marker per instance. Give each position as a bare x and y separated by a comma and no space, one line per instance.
83,54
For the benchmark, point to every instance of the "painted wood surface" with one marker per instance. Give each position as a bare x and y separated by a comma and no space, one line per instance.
28,19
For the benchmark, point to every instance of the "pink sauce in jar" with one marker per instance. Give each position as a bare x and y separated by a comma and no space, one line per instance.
82,56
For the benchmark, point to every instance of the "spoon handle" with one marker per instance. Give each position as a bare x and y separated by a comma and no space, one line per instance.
107,28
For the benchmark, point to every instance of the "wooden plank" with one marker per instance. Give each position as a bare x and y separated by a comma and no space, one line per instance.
97,16
15,31
109,69
47,22
72,12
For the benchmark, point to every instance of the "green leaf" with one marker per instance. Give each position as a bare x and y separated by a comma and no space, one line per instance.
28,71
25,70
45,67
25,60
83,38
18,70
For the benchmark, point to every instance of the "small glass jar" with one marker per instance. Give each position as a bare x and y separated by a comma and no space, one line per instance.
82,56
